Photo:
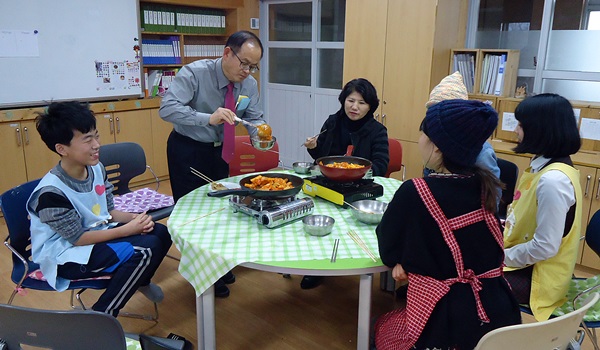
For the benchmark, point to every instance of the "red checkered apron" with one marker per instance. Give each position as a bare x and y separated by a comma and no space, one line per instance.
400,329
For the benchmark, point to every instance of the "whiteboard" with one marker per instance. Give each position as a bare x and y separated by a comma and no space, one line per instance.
68,50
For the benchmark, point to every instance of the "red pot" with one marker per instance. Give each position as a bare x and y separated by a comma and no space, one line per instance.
343,175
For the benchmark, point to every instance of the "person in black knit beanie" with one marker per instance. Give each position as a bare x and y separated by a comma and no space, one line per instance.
441,233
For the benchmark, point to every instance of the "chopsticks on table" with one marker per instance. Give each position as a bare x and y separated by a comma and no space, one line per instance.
202,216
317,135
356,238
202,176
336,244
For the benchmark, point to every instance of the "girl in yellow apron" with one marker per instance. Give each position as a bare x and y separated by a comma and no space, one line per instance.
543,224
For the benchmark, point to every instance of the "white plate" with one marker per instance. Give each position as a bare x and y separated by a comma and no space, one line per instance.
229,185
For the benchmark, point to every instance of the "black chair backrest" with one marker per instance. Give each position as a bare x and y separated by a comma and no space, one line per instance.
123,161
509,172
13,204
592,233
51,329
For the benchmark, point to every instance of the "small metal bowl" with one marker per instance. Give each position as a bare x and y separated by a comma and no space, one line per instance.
263,145
318,225
302,167
370,211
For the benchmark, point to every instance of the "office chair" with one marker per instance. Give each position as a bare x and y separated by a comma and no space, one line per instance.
26,273
555,333
395,149
582,287
52,329
124,161
248,159
509,172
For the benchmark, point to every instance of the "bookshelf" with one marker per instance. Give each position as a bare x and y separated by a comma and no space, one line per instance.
465,61
491,72
177,34
173,35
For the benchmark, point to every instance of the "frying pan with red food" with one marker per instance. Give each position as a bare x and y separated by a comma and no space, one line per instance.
296,181
340,174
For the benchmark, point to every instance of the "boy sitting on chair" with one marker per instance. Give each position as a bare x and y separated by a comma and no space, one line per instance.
75,231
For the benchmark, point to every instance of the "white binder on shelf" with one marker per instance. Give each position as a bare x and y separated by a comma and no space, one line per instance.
500,78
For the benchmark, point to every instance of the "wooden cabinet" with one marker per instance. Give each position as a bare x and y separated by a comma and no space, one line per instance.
590,186
589,119
404,52
412,160
160,134
14,171
506,120
492,100
129,126
25,156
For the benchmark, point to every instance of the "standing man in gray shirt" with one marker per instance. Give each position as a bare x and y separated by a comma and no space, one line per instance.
195,104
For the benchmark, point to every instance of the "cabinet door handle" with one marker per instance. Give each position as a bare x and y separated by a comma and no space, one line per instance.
111,123
118,125
26,135
587,185
383,119
598,190
18,134
377,116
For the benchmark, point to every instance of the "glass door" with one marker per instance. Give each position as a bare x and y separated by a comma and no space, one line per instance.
304,43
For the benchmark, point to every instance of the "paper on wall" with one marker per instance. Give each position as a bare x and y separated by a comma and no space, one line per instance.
590,129
19,43
509,122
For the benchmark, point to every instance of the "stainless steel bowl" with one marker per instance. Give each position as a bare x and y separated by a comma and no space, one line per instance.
302,167
369,211
318,225
263,145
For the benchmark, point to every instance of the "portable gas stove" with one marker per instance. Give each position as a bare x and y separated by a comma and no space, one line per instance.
273,212
340,192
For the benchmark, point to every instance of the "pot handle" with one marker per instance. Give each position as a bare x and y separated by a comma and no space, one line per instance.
236,191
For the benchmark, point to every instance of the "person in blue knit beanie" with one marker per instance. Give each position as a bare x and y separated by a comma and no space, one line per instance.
441,233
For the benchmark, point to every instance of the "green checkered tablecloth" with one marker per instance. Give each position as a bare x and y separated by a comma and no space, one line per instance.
132,344
214,244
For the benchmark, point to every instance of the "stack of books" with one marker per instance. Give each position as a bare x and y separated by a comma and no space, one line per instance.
465,64
492,74
161,51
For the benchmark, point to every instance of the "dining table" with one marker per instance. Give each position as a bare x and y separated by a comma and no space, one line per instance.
213,239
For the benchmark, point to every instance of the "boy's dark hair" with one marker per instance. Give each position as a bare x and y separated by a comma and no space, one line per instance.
549,126
237,39
363,87
59,121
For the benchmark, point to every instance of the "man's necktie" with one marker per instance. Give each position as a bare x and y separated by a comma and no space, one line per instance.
229,134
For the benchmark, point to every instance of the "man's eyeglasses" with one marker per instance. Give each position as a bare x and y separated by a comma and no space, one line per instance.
245,66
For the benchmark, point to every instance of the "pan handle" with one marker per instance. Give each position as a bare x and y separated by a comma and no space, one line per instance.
236,191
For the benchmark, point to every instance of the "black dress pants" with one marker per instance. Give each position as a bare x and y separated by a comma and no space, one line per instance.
183,153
